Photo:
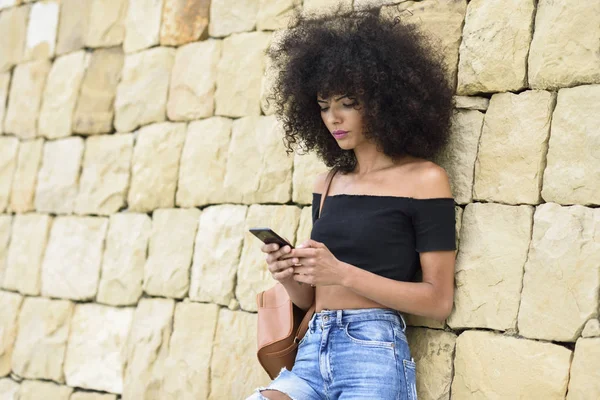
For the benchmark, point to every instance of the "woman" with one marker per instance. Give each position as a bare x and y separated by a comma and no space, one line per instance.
369,95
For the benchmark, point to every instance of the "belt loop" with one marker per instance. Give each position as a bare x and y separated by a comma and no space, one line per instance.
339,317
402,320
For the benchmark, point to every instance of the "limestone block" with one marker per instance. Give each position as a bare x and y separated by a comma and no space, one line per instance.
253,275
155,166
5,228
147,349
266,173
42,339
105,176
193,79
564,47
92,396
458,214
591,329
123,260
142,24
234,357
59,175
327,6
190,351
25,98
41,30
306,169
106,23
417,320
471,102
60,95
488,277
9,147
71,265
585,370
73,24
9,3
94,111
9,389
184,21
96,361
4,82
204,155
561,282
240,73
267,84
217,253
273,15
512,149
25,178
10,304
494,47
13,29
458,158
24,263
304,226
573,169
38,390
232,16
492,366
142,92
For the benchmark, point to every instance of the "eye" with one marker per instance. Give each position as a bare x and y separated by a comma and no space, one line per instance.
352,105
323,109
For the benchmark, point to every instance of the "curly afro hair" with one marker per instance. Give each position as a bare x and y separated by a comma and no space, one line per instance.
388,65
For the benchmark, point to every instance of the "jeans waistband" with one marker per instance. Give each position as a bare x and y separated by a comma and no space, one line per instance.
342,317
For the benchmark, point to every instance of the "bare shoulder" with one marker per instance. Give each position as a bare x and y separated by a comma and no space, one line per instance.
319,184
431,180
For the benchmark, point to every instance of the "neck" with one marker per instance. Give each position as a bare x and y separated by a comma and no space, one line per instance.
369,160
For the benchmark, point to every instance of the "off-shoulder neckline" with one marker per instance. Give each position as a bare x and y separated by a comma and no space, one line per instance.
375,196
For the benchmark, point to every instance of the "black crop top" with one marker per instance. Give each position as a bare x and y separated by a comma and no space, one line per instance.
383,234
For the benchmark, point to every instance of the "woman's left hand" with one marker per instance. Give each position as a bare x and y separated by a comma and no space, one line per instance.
318,266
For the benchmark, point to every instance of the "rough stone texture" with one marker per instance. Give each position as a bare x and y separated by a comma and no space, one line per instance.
36,390
73,23
24,263
92,396
560,286
573,170
105,176
240,73
5,228
327,6
94,111
514,142
591,329
60,95
187,372
71,265
364,4
25,178
155,166
13,27
267,175
304,226
217,254
10,304
471,102
273,15
25,98
59,176
564,49
268,83
585,370
41,30
488,277
234,357
4,82
42,339
147,349
9,147
204,155
142,92
547,367
193,79
96,361
458,215
106,23
167,270
493,51
184,21
232,16
253,275
417,320
306,169
142,24
123,260
8,3
9,389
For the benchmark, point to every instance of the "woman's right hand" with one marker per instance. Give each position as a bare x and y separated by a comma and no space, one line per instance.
280,266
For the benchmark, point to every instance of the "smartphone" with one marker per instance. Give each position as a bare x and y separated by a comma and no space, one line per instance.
268,236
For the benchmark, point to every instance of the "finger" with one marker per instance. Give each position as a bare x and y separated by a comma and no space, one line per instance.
303,270
304,279
285,274
281,265
269,248
311,243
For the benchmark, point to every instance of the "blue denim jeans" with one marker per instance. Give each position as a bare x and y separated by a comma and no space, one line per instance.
351,355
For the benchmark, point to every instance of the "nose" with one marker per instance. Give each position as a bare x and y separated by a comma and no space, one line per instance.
333,117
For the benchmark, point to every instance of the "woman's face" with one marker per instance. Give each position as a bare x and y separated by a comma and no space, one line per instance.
343,118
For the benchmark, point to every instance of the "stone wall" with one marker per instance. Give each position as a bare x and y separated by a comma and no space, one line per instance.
136,149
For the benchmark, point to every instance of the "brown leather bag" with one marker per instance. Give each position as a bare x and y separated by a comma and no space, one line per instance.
281,324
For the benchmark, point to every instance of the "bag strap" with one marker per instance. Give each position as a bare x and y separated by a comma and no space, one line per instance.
327,185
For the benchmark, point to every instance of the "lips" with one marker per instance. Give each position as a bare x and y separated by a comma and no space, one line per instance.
339,133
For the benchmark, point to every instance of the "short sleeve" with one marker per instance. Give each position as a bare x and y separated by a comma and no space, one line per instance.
434,224
316,203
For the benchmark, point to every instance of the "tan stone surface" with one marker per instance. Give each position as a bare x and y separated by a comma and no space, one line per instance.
417,320
561,282
42,339
4,85
512,149
217,254
142,24
585,370
493,51
458,215
155,166
41,30
105,175
232,16
306,169
147,349
327,6
59,176
273,15
94,111
27,244
304,226
573,165
187,372
234,357
96,361
92,396
365,4
471,102
8,3
184,21
267,175
5,228
71,265
267,84
204,157
9,148
25,98
240,74
9,389
37,390
167,270
25,178
106,23
488,277
493,366
73,23
591,329
10,304
253,275
123,259
13,29
142,92
60,95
